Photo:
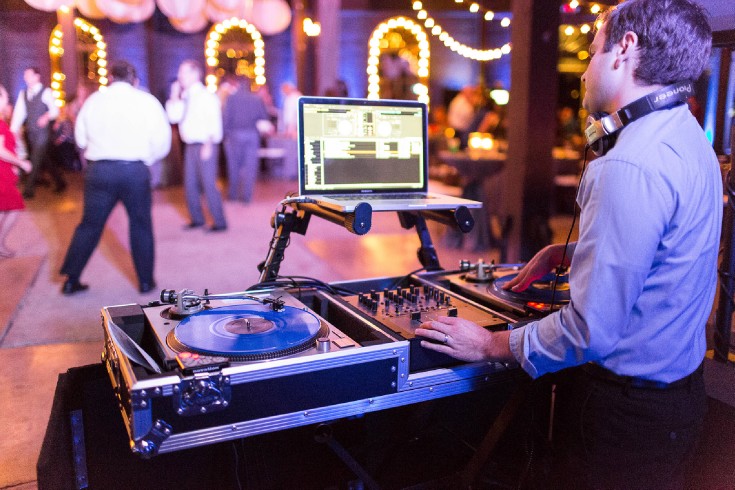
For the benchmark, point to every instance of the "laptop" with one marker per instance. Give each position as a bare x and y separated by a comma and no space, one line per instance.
362,150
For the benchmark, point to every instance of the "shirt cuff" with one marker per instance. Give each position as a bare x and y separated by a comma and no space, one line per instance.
515,342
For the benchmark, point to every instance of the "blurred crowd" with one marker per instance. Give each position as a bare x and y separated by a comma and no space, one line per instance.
122,137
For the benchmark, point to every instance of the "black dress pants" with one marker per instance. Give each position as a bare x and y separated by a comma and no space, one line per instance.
38,152
613,435
106,183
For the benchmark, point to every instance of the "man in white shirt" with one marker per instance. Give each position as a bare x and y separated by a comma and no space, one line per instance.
461,112
198,113
289,110
34,110
122,131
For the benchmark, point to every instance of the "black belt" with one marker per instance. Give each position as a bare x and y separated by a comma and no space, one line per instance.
114,161
599,372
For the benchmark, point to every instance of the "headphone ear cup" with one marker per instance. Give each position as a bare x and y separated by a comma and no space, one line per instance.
601,144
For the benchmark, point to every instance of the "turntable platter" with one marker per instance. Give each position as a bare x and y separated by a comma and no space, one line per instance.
540,291
247,332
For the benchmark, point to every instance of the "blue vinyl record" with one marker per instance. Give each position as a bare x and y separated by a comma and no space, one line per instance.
247,330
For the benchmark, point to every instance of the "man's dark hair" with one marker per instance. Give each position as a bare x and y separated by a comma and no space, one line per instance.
122,71
675,38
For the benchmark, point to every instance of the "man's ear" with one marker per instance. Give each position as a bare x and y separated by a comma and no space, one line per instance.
625,48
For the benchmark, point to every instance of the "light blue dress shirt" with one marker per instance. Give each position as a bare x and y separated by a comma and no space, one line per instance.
643,274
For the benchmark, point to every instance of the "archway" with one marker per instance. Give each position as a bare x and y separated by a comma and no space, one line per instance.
234,47
398,61
91,51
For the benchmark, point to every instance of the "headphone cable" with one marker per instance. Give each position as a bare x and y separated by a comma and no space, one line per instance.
560,269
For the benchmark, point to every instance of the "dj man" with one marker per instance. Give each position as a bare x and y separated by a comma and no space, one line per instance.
631,400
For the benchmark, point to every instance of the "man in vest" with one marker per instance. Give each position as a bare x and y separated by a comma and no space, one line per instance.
35,110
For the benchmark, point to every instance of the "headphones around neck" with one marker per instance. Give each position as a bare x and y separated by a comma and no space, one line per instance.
602,128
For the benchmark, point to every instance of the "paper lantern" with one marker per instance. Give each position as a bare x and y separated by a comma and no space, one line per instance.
123,13
271,16
179,9
228,5
50,5
216,14
189,25
89,9
220,10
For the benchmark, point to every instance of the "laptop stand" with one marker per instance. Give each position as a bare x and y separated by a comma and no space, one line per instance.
358,222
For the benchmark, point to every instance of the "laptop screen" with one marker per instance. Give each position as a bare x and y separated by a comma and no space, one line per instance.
360,146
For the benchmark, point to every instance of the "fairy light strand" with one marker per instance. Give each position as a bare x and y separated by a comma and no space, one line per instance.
453,44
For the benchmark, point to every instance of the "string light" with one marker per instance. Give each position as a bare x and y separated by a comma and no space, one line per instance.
211,49
456,46
84,30
474,7
569,30
576,7
311,28
421,88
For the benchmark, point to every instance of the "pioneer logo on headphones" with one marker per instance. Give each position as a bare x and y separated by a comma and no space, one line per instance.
662,97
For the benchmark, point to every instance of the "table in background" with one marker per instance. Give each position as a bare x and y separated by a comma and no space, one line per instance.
482,172
482,175
281,156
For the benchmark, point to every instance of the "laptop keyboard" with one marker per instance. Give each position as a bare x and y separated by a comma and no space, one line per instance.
379,197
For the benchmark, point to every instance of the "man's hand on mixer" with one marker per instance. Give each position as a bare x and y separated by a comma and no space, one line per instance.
465,340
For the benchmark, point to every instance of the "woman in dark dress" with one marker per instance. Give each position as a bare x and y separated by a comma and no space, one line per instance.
11,200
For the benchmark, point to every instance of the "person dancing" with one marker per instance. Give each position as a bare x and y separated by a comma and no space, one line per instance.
11,201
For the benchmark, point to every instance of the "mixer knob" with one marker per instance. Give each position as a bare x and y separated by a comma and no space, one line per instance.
416,316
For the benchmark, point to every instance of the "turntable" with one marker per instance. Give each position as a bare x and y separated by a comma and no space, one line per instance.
213,368
196,369
484,283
